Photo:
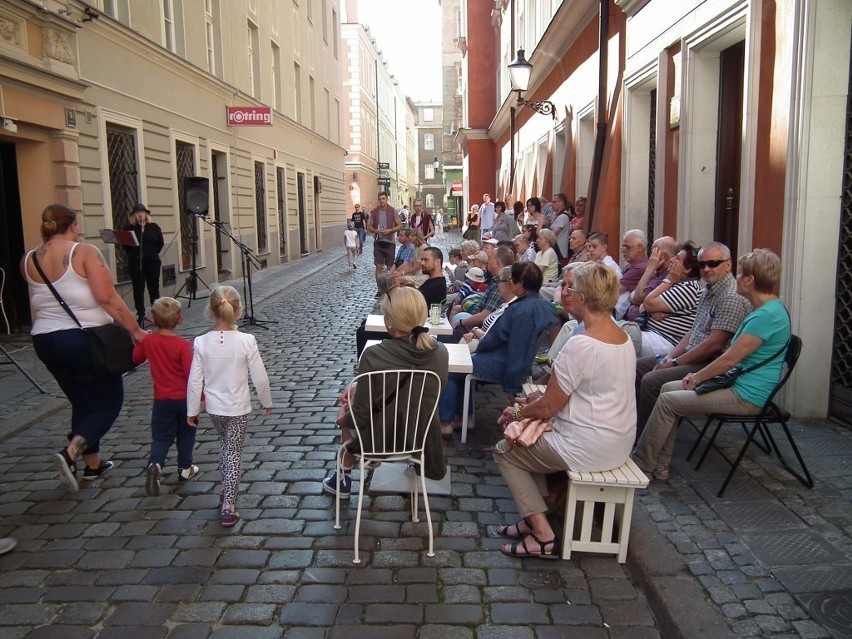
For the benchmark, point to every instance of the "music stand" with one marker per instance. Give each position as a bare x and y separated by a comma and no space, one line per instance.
24,371
191,282
247,261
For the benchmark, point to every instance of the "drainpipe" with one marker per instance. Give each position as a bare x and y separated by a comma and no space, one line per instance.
600,139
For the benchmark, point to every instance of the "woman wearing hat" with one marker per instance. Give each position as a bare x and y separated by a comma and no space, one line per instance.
144,260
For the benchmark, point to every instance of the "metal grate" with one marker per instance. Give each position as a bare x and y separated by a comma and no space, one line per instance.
282,216
260,205
121,156
841,361
185,159
652,165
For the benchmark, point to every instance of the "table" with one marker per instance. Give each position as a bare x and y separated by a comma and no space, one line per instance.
392,477
376,324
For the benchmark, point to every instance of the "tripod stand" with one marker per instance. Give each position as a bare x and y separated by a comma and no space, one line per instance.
247,261
191,283
24,371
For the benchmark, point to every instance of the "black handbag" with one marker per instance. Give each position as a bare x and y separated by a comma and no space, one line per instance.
726,380
110,345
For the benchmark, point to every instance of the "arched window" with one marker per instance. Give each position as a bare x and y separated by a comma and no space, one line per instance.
430,201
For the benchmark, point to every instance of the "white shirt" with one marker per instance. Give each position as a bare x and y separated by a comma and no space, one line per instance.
220,360
595,429
350,237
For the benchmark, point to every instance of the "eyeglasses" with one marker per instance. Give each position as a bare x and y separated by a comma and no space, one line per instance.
627,247
710,263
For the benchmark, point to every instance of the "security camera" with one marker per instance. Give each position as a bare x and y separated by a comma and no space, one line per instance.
9,125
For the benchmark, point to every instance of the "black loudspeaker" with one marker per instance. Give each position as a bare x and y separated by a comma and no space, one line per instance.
196,195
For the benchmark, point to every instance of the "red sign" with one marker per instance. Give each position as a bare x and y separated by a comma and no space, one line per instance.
249,116
456,187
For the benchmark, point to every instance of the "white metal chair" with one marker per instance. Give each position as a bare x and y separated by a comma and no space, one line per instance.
393,428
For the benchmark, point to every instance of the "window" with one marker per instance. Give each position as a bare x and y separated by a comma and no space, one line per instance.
428,142
335,31
169,25
327,114
123,189
253,60
430,201
312,99
310,10
325,20
260,206
429,172
297,91
276,80
118,9
210,32
428,115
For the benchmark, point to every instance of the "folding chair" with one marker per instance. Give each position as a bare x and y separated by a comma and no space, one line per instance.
399,421
769,414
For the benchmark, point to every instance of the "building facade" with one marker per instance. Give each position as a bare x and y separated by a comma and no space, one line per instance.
707,120
116,102
378,130
429,130
453,48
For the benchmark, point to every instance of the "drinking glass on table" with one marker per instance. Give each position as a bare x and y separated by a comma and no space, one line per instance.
435,314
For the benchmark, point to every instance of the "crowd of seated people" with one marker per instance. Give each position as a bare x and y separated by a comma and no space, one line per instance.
612,386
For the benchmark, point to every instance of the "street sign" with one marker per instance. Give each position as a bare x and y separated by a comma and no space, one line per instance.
249,116
456,188
384,170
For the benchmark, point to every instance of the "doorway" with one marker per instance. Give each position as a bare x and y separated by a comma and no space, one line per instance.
282,215
303,215
729,145
221,213
317,214
15,297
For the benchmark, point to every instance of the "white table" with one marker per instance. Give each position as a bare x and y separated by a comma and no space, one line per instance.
376,324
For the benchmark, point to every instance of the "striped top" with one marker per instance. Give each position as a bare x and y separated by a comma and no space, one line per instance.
682,299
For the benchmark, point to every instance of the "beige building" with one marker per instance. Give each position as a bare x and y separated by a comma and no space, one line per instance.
112,102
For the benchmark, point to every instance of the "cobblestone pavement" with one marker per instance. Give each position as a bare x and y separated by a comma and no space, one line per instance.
110,561
770,558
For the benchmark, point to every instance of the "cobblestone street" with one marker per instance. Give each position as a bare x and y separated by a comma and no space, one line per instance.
110,561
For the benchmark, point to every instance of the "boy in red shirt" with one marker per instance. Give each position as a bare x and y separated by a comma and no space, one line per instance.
171,358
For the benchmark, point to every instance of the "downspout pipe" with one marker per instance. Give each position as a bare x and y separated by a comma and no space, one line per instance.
600,138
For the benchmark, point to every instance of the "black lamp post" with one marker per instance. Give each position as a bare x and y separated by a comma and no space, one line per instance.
436,164
520,71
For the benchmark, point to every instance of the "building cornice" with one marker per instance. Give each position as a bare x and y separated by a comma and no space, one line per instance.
463,136
631,7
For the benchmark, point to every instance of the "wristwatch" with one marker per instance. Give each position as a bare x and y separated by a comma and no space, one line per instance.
673,361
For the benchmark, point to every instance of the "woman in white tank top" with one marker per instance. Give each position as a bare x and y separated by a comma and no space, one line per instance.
80,275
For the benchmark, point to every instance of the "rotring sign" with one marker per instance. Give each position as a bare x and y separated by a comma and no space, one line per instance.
249,116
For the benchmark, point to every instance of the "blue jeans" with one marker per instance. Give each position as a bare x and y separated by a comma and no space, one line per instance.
95,399
362,235
168,425
451,402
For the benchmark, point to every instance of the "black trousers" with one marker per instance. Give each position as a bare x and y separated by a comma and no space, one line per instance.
146,275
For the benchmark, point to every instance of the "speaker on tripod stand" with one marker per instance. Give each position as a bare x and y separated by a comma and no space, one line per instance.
196,201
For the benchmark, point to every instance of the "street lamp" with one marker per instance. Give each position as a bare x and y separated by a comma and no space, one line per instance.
520,71
436,164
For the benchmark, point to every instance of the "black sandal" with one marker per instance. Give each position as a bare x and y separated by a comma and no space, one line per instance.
504,529
542,553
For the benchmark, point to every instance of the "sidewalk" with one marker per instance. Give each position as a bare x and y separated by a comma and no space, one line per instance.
770,559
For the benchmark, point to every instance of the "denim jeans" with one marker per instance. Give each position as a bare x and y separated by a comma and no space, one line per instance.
95,399
168,425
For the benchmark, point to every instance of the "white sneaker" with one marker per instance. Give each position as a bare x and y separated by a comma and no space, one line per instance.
185,474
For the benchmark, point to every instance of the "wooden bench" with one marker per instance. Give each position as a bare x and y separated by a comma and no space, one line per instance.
529,387
613,488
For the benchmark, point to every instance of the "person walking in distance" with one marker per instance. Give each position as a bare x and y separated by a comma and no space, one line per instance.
352,244
359,221
486,214
144,260
170,356
384,224
222,361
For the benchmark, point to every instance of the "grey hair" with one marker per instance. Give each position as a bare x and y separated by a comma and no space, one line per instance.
726,252
639,234
548,236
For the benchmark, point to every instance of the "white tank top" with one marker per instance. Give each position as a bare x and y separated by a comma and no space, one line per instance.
50,316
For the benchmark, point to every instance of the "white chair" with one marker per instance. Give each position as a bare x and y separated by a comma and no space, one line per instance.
393,430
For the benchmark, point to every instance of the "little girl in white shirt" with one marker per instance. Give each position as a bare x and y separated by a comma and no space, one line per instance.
221,363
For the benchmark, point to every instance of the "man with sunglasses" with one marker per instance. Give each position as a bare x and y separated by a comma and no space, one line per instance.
719,313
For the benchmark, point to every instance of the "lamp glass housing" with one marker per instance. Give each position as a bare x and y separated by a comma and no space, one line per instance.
519,72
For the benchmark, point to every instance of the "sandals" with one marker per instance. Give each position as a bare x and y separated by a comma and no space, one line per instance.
506,530
546,549
447,431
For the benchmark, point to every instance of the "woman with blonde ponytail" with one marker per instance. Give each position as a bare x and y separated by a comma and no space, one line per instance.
81,277
410,347
222,361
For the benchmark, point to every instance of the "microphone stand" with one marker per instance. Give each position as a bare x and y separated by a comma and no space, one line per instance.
191,283
247,261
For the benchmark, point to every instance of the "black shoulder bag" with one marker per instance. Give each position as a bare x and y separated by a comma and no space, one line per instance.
111,345
726,380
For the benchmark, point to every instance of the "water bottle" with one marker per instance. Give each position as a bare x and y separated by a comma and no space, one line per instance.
658,359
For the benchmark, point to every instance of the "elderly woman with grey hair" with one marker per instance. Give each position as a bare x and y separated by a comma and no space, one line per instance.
546,258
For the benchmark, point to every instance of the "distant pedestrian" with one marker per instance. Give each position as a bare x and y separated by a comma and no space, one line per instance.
352,244
221,363
384,223
171,357
439,224
359,220
143,260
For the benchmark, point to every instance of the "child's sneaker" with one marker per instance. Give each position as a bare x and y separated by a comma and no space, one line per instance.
229,518
152,483
185,474
67,470
94,473
329,484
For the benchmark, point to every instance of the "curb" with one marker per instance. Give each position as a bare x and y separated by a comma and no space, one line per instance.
679,602
13,425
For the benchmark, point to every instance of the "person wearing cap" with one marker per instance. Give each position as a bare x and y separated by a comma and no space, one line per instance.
144,260
474,282
488,245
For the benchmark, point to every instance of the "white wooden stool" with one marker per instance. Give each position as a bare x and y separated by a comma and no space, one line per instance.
614,488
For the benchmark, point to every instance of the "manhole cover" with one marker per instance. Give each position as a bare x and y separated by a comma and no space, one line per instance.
541,579
834,610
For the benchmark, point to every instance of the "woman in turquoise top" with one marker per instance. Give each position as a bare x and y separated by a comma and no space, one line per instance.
763,334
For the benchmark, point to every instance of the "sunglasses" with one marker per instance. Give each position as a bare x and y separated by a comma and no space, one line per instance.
710,263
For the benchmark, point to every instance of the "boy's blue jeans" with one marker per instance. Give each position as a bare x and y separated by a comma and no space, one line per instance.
95,399
168,425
